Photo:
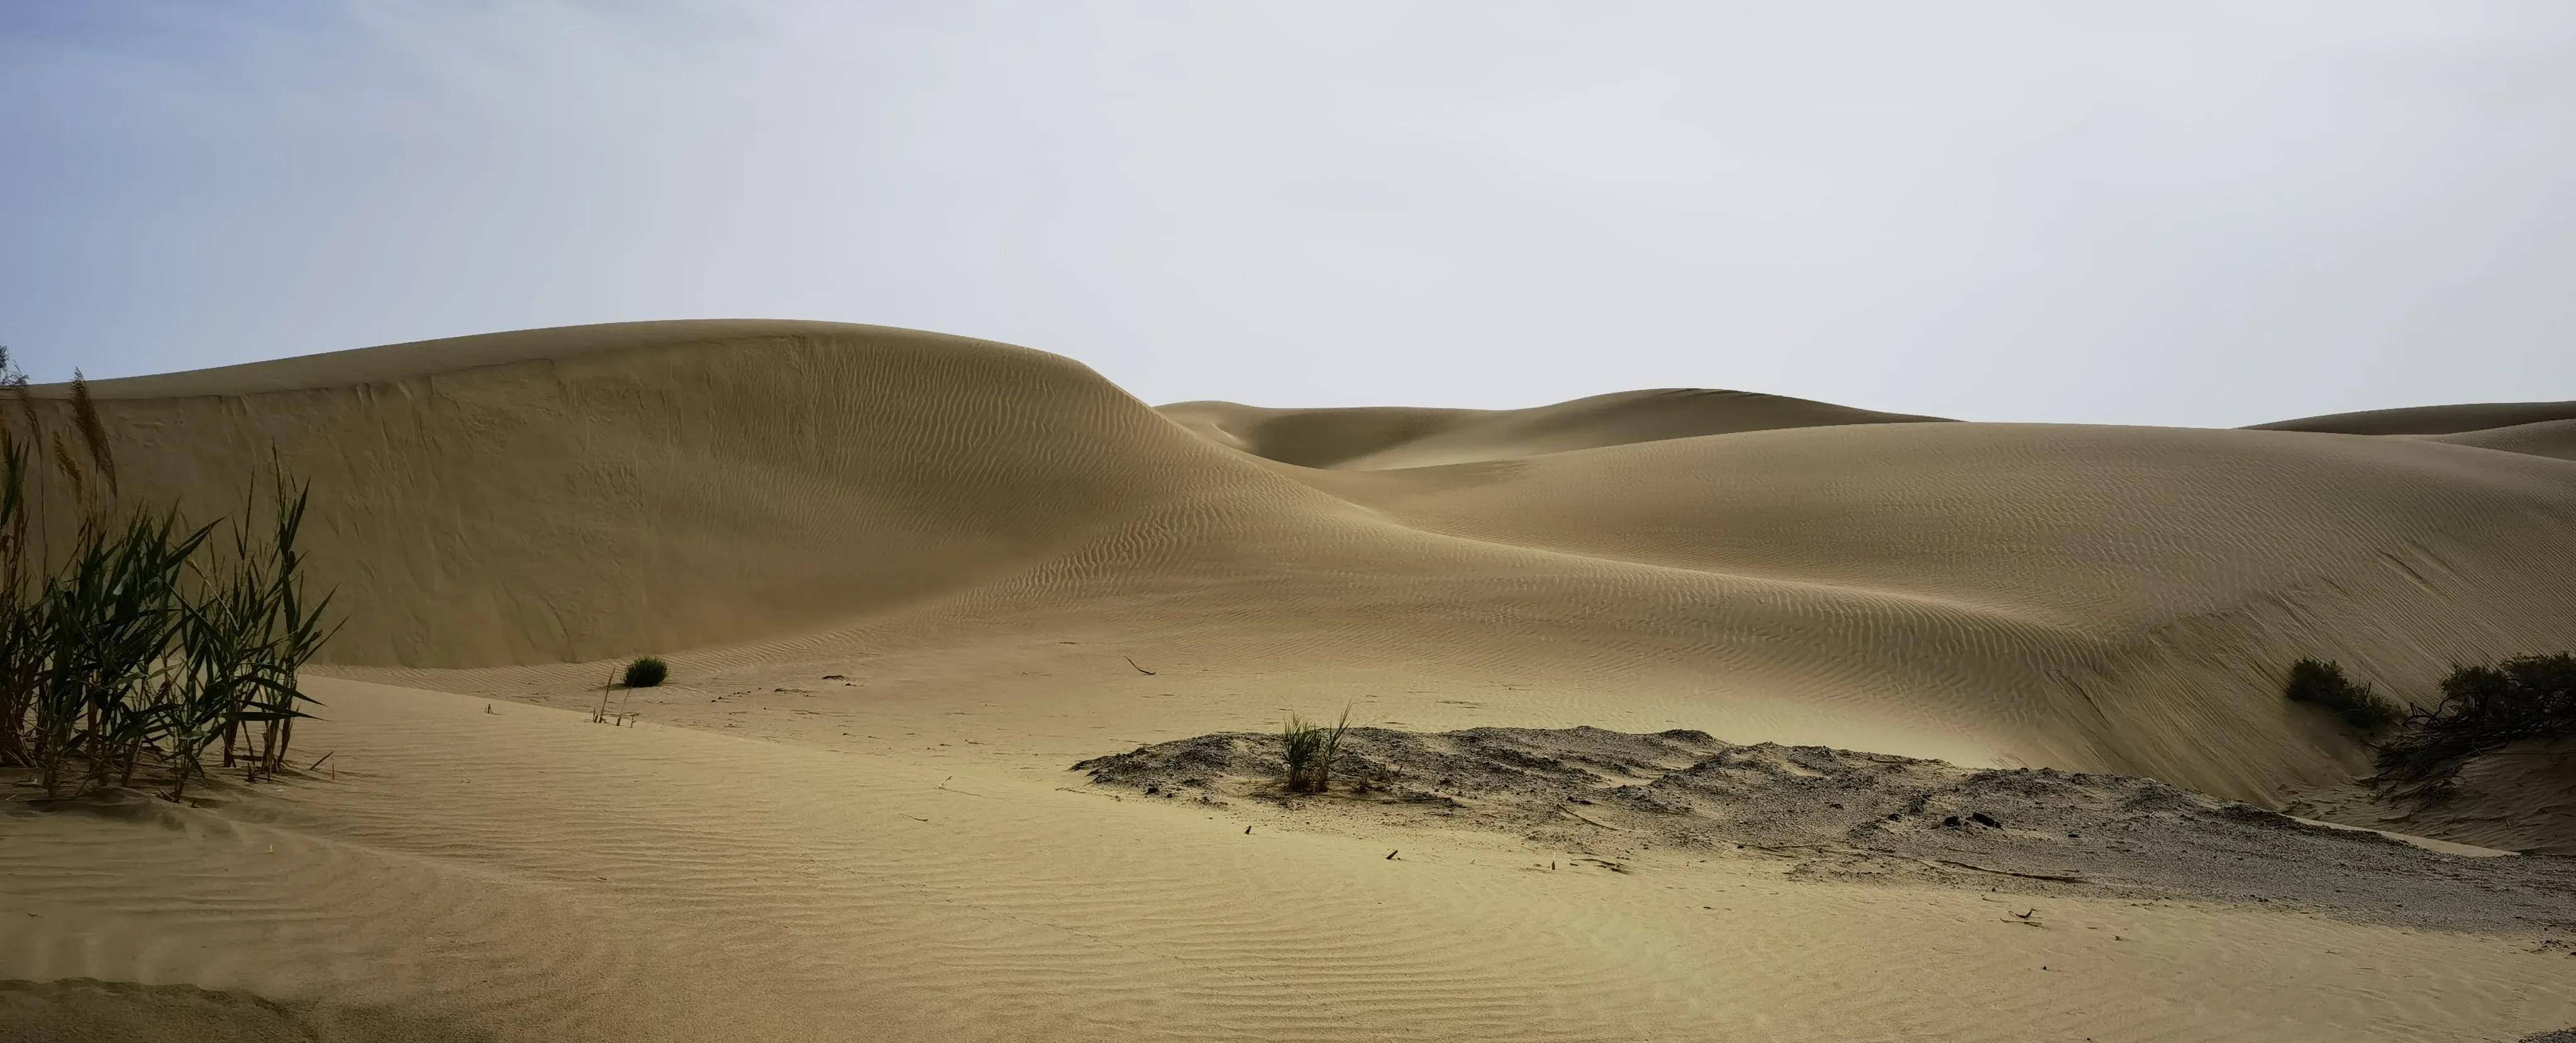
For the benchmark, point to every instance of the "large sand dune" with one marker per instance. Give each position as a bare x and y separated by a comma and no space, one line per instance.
937,571
2096,598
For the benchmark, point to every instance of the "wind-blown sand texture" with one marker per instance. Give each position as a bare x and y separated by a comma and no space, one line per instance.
935,572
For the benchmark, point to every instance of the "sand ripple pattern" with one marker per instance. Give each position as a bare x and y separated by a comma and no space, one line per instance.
906,508
533,876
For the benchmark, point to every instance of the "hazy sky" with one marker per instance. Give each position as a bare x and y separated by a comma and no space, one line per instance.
2152,213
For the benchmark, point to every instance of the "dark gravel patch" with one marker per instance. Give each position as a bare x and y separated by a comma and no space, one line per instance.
1846,814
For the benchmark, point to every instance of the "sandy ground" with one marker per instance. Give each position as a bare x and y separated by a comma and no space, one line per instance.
496,870
906,581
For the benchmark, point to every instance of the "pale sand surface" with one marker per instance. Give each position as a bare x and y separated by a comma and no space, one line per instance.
978,539
532,875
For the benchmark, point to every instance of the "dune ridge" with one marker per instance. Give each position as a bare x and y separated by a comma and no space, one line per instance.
574,493
507,513
2551,438
2429,420
1377,438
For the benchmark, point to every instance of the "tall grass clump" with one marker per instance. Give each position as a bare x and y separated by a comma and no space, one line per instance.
1311,748
2322,683
132,645
2482,709
647,672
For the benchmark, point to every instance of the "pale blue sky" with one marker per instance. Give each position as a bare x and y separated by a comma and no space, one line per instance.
2145,213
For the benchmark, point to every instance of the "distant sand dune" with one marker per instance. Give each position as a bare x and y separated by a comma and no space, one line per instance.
2429,420
960,513
1383,437
2551,438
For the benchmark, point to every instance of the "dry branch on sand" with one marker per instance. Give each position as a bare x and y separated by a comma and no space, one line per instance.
2482,709
601,715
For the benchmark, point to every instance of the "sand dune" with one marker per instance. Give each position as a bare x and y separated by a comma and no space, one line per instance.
1379,438
2533,428
2095,598
578,493
936,571
2550,438
2429,420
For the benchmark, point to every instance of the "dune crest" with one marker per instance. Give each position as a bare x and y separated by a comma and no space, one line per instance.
959,518
2429,420
577,493
1377,438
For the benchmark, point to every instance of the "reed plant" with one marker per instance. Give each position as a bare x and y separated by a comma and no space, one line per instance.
134,644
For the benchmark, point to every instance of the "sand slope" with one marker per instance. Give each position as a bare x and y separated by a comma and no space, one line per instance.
2521,797
962,521
577,493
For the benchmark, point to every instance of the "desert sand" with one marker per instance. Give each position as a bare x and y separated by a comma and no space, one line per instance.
906,581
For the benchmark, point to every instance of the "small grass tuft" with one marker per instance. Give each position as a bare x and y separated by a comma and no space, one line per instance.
1311,749
646,672
2322,683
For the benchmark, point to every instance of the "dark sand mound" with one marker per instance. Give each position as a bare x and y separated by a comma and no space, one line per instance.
2555,439
1848,814
85,1010
2429,420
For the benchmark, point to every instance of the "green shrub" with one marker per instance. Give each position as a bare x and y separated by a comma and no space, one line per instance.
2483,708
2322,683
646,672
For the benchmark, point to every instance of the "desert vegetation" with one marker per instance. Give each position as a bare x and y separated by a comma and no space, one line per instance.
133,641
2322,683
2482,709
646,672
1310,748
